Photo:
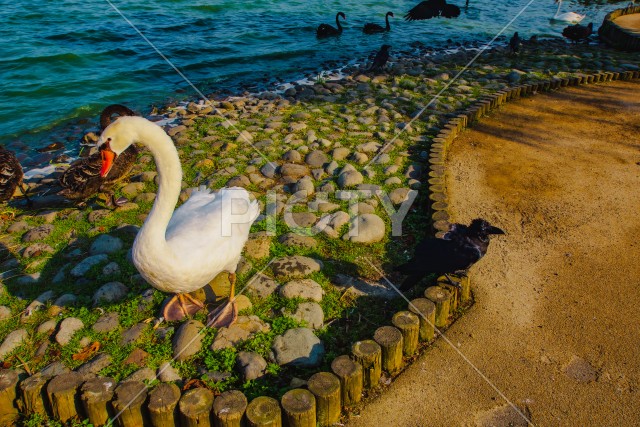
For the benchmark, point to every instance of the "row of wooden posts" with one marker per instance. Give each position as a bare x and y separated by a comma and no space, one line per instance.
71,395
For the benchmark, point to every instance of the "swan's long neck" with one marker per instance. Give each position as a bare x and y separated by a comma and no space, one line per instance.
169,169
386,18
559,6
338,22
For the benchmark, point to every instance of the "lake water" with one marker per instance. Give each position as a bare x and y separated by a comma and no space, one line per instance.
63,60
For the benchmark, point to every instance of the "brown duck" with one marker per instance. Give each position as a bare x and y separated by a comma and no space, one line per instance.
82,179
10,174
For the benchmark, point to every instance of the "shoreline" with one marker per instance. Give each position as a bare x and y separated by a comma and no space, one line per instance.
71,132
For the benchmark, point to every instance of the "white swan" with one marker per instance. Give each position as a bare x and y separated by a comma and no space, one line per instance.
182,251
571,17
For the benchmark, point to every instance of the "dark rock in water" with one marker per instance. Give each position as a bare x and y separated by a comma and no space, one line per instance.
62,158
51,147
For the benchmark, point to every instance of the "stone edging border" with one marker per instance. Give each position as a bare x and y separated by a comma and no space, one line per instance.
70,395
617,36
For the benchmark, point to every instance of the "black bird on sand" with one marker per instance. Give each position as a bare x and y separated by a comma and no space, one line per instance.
375,28
326,30
460,248
577,32
431,9
515,42
381,58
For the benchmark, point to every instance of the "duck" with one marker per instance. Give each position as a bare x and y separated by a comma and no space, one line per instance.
181,250
381,58
11,175
326,30
577,32
82,179
371,28
571,17
431,9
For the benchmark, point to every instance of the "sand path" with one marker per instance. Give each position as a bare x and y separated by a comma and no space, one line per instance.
556,324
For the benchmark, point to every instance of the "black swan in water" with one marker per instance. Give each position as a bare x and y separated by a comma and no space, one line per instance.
431,9
381,58
326,30
577,32
10,174
82,179
514,43
375,28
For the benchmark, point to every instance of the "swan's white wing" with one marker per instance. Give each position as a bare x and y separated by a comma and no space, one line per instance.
212,227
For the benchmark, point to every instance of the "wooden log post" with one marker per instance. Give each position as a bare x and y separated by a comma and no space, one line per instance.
454,290
465,292
409,325
195,408
63,395
8,393
369,354
326,388
390,340
229,408
441,298
163,405
350,375
129,403
33,394
264,411
426,311
299,408
96,395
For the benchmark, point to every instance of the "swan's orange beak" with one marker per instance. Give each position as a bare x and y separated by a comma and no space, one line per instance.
108,157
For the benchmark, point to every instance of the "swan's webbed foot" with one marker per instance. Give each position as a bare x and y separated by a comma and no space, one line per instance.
226,314
181,306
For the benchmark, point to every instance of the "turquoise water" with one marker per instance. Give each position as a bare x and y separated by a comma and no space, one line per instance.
64,60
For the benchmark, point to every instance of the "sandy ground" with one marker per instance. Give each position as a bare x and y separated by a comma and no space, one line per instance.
630,22
556,324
